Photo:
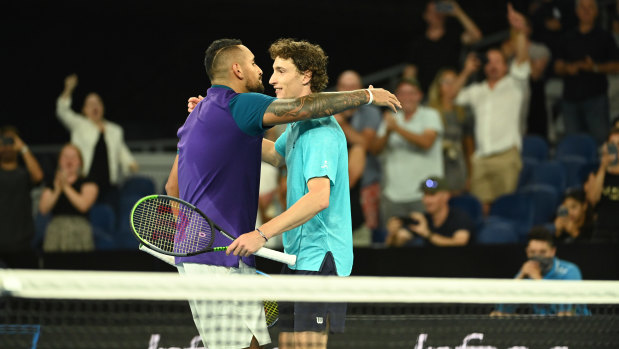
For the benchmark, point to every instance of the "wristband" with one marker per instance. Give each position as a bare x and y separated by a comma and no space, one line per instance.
24,149
262,234
371,96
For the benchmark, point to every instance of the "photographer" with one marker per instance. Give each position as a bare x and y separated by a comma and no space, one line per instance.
574,222
603,191
16,182
440,225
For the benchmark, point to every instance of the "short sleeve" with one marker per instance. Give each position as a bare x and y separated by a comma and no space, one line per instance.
248,109
433,121
280,143
322,155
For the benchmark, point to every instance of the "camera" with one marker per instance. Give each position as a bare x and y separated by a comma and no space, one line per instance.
8,141
408,221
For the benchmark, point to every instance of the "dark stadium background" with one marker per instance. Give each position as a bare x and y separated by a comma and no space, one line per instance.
145,57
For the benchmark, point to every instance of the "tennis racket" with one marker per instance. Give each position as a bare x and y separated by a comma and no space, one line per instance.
175,227
271,310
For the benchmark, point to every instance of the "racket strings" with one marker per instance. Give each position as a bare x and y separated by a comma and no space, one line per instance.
172,226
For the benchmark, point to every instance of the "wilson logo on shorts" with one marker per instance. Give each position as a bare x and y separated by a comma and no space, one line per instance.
319,320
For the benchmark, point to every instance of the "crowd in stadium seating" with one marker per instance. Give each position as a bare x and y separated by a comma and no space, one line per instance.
485,139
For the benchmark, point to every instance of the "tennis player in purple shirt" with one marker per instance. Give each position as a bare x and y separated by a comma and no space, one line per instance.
218,170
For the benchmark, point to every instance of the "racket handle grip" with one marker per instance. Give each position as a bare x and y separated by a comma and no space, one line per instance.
164,258
281,257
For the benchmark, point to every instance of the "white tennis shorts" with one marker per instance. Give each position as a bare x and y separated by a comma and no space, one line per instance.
226,324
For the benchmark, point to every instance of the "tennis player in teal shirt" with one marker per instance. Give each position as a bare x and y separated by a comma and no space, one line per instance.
317,225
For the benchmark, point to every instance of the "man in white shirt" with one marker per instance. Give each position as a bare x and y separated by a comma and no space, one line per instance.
497,103
410,142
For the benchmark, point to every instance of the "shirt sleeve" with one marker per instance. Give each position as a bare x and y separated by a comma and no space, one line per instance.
248,109
70,119
465,96
321,154
280,143
520,71
433,121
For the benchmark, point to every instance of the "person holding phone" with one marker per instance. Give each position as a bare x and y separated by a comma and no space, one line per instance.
574,222
16,182
603,191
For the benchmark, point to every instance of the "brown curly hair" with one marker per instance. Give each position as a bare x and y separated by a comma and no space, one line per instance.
306,57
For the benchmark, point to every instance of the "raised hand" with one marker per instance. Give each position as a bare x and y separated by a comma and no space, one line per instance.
192,102
70,82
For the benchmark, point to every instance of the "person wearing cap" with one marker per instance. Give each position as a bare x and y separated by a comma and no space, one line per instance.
440,225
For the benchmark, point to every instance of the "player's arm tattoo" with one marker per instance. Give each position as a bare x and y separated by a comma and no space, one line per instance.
317,105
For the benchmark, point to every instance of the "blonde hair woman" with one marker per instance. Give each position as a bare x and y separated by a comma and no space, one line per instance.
458,142
69,199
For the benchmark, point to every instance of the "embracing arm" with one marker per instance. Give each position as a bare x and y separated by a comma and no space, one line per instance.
270,155
317,105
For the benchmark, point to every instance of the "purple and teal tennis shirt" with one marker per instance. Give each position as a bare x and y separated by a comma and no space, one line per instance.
219,148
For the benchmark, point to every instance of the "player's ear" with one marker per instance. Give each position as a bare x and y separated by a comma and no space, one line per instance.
237,71
307,77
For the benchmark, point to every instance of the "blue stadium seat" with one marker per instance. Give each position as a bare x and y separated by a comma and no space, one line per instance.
103,220
516,208
137,185
471,206
497,231
581,145
545,200
125,238
534,148
526,173
40,225
551,173
572,165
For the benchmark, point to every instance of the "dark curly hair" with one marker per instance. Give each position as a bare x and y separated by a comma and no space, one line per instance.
306,57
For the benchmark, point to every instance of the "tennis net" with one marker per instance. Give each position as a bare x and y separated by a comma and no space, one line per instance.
88,309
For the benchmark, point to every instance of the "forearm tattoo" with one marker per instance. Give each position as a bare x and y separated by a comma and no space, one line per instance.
317,105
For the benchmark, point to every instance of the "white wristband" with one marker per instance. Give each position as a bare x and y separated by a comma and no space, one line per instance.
371,96
24,149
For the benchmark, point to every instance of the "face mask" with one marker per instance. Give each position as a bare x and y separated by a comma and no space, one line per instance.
545,263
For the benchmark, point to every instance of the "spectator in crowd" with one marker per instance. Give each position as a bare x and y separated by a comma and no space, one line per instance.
100,141
360,126
410,142
497,104
585,56
603,191
441,225
542,264
550,19
574,222
441,44
535,117
16,182
69,199
458,143
615,122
